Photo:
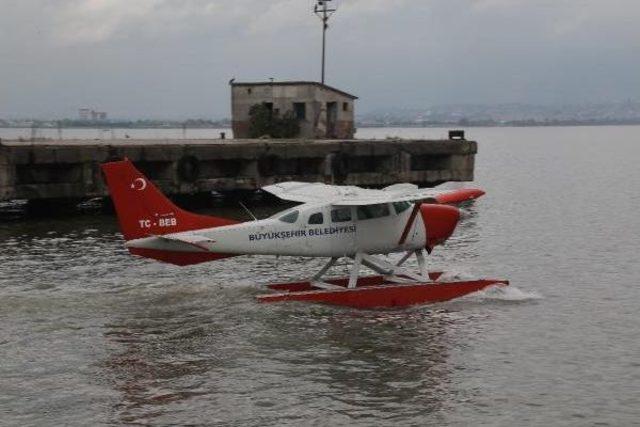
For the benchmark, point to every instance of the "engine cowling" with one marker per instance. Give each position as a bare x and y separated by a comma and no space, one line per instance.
439,222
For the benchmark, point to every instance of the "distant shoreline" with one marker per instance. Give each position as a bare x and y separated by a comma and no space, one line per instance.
510,123
108,126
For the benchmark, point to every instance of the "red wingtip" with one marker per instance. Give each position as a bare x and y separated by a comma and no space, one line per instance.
459,196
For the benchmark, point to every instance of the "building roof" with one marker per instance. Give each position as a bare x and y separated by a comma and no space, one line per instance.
295,83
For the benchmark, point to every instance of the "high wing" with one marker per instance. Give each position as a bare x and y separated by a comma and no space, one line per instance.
349,195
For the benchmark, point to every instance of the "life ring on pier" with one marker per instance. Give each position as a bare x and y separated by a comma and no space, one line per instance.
188,169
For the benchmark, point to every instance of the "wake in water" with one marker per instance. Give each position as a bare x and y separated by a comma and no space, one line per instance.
503,293
492,293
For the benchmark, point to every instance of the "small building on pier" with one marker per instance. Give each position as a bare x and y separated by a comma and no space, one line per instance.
322,112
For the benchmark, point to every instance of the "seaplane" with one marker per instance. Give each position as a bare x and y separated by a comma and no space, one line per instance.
333,222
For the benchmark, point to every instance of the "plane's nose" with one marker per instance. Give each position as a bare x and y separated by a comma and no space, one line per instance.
439,221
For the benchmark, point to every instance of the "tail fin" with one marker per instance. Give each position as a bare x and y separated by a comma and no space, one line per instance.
143,210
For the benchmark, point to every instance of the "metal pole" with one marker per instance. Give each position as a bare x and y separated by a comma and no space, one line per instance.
324,13
324,39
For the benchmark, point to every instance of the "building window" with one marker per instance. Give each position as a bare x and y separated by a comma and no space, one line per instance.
249,91
316,218
345,106
300,110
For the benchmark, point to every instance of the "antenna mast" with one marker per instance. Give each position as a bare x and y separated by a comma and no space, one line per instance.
324,12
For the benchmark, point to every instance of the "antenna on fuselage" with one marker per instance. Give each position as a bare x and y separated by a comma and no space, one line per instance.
248,211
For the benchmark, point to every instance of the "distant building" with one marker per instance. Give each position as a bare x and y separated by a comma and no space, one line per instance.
89,114
84,113
98,115
322,111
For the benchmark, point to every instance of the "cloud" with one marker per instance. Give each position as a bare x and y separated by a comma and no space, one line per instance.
80,22
84,22
174,57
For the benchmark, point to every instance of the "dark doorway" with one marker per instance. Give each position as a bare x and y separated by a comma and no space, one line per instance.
300,110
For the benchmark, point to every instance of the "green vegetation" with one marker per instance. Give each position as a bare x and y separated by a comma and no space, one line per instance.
264,122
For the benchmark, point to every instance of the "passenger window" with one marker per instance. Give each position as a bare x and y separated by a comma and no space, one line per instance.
401,207
373,211
291,217
341,215
316,218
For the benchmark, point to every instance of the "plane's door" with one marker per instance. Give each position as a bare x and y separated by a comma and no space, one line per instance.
377,228
341,223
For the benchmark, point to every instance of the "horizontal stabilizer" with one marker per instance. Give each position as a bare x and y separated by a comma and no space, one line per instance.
178,257
190,239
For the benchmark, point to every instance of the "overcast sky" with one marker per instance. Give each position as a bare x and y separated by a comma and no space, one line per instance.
174,58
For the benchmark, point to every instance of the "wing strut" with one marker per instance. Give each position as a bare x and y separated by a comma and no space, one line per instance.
407,228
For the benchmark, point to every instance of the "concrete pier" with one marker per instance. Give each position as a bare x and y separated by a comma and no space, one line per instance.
69,169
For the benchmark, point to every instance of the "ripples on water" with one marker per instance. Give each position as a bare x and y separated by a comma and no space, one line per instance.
91,335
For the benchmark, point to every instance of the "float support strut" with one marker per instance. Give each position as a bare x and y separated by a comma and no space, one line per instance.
355,270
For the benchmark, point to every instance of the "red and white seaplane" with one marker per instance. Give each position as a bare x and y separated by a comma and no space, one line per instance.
332,222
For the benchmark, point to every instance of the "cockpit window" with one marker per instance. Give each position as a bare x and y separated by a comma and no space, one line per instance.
316,218
341,215
401,207
290,218
373,211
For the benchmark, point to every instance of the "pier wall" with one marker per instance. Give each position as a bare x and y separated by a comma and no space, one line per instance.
69,169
